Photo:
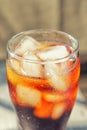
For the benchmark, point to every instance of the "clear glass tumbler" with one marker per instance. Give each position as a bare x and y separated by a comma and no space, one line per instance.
43,69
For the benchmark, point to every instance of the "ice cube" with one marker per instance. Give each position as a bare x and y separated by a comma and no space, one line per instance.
27,43
31,68
55,76
15,64
53,53
58,110
53,97
28,96
13,77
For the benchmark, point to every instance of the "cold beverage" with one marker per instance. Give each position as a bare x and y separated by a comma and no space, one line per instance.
43,82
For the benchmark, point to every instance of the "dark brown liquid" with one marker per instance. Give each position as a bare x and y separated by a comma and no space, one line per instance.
29,122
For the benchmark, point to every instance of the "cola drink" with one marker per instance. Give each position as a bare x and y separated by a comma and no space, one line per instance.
43,81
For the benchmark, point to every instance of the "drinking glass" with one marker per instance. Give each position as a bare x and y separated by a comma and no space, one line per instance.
43,69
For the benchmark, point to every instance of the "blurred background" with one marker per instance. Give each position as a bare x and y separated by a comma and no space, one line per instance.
65,15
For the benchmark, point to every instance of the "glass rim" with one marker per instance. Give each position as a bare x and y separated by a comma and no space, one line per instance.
70,37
